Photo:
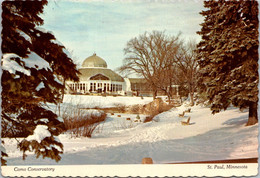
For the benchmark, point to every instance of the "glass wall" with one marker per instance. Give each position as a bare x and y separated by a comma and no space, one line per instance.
95,87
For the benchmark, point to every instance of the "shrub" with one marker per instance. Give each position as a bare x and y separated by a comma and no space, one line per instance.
148,118
135,109
121,108
83,122
155,107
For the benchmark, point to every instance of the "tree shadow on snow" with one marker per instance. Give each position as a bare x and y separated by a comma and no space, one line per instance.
237,121
217,144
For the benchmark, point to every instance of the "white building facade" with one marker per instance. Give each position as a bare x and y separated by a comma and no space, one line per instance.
95,77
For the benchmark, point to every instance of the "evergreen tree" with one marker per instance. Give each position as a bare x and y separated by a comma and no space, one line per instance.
35,66
228,55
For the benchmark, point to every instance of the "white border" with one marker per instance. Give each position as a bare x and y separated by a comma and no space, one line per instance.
142,170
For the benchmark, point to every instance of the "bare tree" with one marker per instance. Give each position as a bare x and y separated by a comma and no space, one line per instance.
151,56
188,65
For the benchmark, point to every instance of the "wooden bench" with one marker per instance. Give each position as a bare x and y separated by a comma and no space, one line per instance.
188,110
147,161
186,122
182,115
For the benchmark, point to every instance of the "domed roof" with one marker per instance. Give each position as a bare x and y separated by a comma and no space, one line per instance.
94,61
87,74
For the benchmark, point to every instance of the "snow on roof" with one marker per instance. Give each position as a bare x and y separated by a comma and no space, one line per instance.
24,35
40,133
86,73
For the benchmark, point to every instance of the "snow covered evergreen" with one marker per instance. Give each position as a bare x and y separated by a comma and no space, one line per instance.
31,64
228,55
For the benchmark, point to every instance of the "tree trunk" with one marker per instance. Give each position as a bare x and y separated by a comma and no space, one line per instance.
192,95
252,118
169,98
154,94
62,95
191,99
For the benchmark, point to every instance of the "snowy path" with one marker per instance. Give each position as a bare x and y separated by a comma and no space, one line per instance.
210,137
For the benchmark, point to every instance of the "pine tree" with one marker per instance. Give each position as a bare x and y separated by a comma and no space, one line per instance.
228,55
35,66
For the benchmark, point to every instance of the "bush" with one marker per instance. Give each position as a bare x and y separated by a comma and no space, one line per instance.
148,118
83,123
135,109
155,107
121,108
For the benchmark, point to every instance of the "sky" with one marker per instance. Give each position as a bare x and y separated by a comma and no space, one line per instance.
105,27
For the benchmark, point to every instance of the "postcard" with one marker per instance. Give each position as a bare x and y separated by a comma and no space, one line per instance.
129,88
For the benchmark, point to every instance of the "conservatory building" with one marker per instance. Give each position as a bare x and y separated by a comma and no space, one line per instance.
95,77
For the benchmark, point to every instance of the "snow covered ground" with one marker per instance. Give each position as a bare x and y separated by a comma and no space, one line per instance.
87,101
120,141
